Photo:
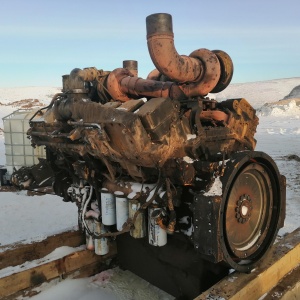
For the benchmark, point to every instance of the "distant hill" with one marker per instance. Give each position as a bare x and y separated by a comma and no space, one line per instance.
295,93
261,92
42,93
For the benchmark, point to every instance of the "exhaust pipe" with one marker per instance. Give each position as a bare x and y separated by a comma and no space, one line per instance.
199,73
131,66
178,68
177,76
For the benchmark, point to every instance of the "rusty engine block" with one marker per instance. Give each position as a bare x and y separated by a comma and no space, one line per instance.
156,162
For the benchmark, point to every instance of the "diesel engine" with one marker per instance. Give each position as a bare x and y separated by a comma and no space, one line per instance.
157,165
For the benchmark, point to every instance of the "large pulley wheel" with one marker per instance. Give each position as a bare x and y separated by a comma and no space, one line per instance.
252,210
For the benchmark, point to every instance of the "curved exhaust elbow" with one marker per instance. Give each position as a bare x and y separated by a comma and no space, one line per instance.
113,84
179,68
210,77
201,72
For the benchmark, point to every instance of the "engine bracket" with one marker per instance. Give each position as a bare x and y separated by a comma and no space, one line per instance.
206,216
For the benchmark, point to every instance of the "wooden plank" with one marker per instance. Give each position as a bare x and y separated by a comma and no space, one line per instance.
18,253
57,268
30,292
93,268
287,288
282,259
85,271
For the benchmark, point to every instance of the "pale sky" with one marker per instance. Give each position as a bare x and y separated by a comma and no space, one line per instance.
41,40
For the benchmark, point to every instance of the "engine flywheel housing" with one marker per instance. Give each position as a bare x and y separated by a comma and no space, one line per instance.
252,209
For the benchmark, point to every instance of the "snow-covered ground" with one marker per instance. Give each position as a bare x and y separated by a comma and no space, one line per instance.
279,135
261,92
26,218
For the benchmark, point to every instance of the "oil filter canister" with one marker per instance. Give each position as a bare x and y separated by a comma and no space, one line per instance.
101,244
122,209
157,235
108,207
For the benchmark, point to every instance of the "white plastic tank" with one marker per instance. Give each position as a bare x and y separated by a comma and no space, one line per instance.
18,149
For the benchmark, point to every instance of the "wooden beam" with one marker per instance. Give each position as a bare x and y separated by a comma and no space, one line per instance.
287,288
85,271
18,253
57,268
282,258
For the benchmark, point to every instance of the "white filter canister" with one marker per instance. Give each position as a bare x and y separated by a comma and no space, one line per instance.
157,236
108,208
89,240
101,245
122,209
